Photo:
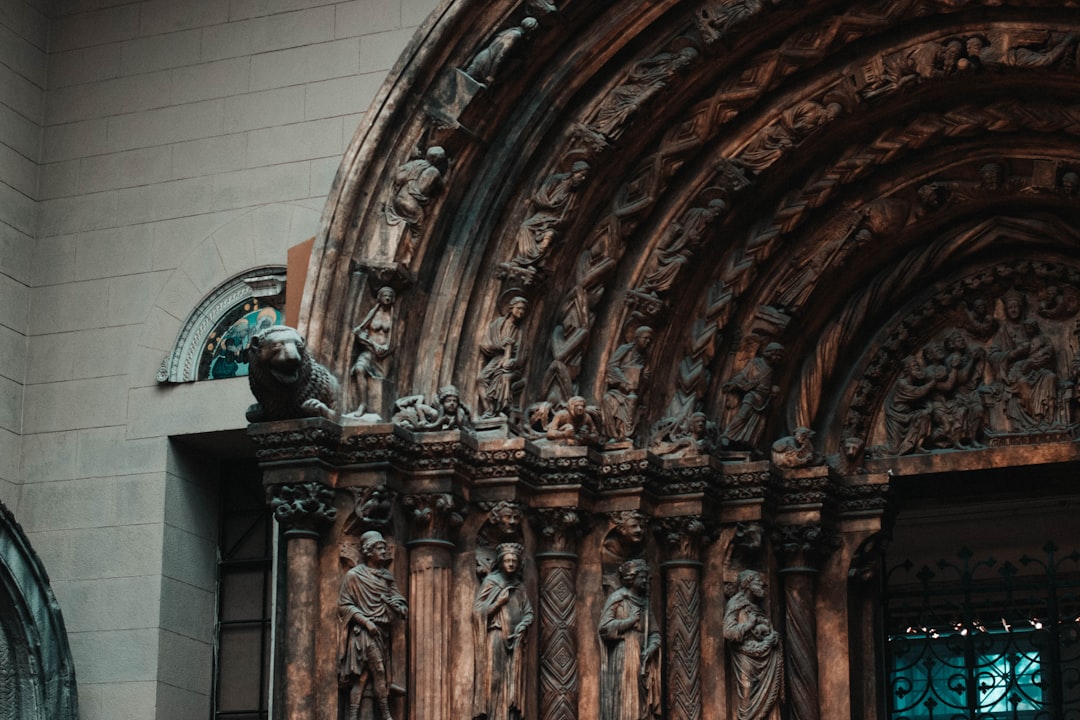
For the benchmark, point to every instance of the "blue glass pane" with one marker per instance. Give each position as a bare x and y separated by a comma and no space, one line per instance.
225,351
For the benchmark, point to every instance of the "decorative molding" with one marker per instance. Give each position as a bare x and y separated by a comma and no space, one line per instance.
182,364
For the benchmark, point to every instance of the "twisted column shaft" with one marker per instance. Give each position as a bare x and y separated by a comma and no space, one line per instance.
800,644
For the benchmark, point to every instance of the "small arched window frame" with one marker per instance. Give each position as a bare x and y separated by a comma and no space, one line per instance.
213,341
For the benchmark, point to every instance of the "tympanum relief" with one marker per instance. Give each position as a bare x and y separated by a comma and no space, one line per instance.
990,378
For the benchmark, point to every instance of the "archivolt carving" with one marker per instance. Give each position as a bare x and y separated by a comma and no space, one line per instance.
885,216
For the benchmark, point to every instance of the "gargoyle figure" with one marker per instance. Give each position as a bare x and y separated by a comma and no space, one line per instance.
286,382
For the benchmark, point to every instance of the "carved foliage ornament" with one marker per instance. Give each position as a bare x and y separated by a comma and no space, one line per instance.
304,509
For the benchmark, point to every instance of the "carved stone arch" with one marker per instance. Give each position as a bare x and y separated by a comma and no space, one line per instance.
489,192
37,673
806,123
265,283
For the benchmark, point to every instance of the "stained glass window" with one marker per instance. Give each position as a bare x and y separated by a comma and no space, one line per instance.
224,353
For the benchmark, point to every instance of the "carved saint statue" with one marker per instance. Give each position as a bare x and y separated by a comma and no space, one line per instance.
485,66
630,652
502,616
501,378
625,371
368,603
794,125
678,243
645,80
756,652
1016,49
373,337
415,185
550,205
754,390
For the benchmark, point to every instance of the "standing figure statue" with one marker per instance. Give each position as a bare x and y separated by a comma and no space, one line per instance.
502,616
625,372
755,390
368,603
415,185
630,649
502,376
756,653
373,337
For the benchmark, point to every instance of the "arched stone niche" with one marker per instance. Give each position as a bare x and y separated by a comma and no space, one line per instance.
792,198
36,668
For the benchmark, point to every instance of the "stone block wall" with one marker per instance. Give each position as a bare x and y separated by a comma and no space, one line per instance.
149,151
23,64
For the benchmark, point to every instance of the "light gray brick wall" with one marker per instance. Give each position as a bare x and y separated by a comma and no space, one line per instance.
157,149
23,68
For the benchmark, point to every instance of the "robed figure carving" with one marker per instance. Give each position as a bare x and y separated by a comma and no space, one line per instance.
630,654
501,378
502,616
369,602
756,652
625,373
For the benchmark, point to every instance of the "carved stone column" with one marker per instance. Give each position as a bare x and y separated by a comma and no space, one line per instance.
681,539
801,549
433,518
558,531
304,510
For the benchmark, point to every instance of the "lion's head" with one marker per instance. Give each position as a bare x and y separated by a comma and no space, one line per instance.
286,382
280,352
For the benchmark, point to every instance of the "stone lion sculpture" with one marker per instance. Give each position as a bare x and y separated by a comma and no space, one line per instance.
286,382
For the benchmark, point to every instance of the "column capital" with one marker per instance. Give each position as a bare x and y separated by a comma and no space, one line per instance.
803,547
433,517
680,539
558,530
304,509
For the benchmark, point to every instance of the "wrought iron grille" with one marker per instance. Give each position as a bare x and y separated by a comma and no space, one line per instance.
975,639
